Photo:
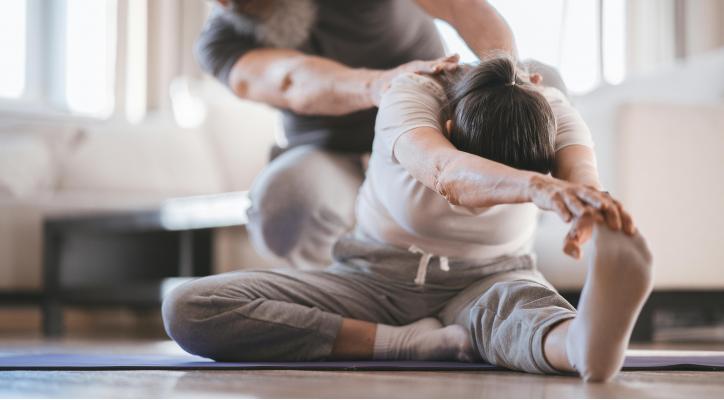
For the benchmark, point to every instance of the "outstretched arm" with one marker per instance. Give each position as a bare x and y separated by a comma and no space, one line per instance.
477,21
315,85
471,181
289,79
408,126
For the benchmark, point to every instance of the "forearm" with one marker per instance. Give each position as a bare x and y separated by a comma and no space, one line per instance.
472,181
482,27
478,23
461,178
577,164
301,83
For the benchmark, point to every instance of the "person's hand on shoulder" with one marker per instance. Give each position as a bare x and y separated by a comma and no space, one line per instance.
432,67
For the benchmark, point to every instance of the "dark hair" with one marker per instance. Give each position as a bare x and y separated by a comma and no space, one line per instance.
499,115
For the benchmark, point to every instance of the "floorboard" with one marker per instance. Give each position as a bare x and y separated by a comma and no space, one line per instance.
189,384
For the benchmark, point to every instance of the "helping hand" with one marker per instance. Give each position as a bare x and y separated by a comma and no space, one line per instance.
432,67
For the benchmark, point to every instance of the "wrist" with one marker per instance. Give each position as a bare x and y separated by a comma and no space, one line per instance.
534,184
372,82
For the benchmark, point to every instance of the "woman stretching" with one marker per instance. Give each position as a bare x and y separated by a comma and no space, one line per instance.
439,266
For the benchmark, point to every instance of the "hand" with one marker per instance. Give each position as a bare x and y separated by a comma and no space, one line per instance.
582,229
568,200
432,67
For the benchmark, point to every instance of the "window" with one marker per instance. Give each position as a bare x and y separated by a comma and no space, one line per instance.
58,55
13,38
584,39
90,56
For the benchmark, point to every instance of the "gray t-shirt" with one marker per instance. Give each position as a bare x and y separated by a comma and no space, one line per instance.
378,34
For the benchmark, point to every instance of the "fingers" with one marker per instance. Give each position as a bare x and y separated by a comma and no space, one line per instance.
577,207
453,58
614,215
591,196
559,206
628,225
603,202
572,249
580,232
449,63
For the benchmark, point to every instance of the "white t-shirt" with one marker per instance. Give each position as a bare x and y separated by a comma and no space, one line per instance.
395,208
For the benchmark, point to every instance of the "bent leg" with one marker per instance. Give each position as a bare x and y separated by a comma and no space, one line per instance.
508,316
267,315
302,203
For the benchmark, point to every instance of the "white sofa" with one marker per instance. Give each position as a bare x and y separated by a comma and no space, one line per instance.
79,166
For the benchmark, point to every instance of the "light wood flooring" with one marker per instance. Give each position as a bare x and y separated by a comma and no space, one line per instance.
243,384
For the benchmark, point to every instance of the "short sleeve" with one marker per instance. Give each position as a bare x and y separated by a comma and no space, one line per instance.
412,101
571,129
220,45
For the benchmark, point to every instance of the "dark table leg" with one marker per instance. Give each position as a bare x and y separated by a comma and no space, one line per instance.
52,303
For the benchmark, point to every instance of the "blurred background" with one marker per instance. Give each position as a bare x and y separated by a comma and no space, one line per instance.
103,109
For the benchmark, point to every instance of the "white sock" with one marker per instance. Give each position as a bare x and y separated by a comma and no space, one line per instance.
617,284
425,339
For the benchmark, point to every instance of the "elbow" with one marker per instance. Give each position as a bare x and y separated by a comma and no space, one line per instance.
445,183
303,94
239,82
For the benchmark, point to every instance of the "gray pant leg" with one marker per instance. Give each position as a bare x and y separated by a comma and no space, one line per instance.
269,315
508,315
302,203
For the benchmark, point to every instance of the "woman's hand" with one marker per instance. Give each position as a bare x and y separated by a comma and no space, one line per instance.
432,67
582,229
568,200
583,206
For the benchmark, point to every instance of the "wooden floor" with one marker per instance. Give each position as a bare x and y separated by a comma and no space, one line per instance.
329,384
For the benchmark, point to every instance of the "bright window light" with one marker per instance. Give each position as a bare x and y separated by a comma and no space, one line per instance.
537,26
136,48
90,56
13,21
614,41
564,34
579,49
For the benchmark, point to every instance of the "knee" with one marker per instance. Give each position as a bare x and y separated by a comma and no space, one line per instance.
176,312
303,192
185,312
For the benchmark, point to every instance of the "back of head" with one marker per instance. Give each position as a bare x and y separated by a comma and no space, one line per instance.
498,114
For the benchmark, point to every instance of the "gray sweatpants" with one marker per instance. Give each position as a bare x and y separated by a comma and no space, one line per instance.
506,305
302,203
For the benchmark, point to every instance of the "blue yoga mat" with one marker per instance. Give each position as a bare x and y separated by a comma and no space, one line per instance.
708,361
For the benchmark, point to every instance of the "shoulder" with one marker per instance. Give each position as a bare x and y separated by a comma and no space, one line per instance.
418,83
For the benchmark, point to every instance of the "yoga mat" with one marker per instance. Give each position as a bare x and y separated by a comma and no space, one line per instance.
684,361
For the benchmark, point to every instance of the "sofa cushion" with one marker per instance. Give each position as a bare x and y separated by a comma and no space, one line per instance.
153,160
26,166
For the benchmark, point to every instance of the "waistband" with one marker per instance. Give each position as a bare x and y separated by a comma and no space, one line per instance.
416,265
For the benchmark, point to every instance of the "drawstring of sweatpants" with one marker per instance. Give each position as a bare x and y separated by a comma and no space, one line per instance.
425,258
